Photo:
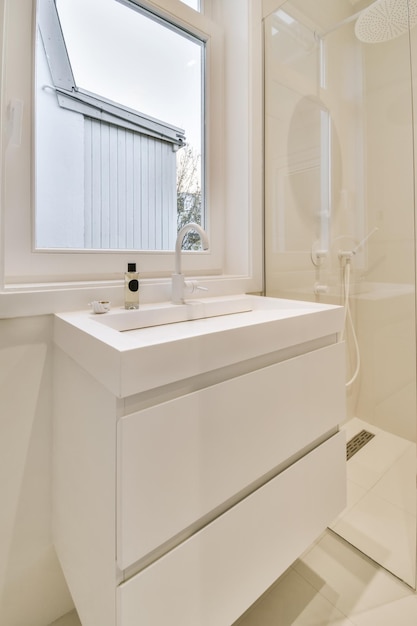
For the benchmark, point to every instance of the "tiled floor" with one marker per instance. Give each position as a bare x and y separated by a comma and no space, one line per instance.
380,518
333,584
70,619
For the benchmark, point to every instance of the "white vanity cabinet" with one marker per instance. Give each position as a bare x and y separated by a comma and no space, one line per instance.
182,504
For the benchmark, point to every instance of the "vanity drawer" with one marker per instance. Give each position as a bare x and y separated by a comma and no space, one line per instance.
180,460
213,577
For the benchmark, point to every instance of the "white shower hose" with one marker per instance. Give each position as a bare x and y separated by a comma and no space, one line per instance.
348,319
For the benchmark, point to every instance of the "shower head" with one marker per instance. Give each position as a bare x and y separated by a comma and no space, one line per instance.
386,19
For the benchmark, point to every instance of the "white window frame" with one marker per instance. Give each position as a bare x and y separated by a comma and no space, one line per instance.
35,283
30,266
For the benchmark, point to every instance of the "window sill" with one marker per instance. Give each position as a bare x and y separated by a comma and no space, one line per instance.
45,299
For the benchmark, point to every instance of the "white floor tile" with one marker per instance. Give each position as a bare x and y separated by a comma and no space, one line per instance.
355,425
381,522
384,532
346,578
364,476
398,484
376,458
292,601
399,613
70,619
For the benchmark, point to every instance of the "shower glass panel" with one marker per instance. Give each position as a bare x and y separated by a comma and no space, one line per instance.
340,228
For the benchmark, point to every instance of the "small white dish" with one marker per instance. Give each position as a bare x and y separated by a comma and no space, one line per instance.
100,306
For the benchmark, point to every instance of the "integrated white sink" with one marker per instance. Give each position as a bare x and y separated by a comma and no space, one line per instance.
159,344
162,313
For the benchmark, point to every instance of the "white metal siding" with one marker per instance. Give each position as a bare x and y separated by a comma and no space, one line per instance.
130,189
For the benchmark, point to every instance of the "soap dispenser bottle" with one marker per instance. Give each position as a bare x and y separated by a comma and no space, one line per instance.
131,287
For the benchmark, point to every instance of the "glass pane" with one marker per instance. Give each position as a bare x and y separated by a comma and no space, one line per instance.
130,58
335,101
102,185
194,4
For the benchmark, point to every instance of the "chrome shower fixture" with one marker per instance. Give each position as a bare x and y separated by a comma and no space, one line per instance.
386,19
381,21
346,255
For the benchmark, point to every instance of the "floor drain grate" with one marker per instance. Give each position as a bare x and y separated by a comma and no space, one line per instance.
357,442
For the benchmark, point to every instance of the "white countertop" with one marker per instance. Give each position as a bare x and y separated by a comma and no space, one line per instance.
136,360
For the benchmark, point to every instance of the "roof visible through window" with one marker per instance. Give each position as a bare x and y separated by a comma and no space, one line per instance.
127,57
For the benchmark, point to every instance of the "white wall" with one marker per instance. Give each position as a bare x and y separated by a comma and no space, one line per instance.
32,588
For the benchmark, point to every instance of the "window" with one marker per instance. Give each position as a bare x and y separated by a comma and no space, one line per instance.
194,4
119,142
41,280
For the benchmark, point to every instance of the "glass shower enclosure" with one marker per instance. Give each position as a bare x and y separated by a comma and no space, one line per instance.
340,228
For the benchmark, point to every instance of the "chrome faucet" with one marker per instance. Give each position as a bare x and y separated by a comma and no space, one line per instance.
178,281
